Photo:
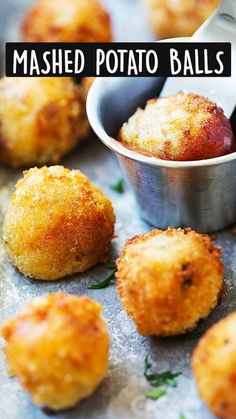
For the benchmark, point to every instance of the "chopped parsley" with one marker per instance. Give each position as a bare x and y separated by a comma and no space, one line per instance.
111,266
119,186
155,393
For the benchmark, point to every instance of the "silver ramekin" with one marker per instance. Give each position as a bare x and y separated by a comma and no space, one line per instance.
198,194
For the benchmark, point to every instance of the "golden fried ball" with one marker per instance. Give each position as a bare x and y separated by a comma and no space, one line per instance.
58,348
180,127
57,223
169,280
170,18
67,21
41,119
214,367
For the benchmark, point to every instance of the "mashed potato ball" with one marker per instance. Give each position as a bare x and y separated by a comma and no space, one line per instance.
41,119
169,280
58,348
170,18
57,223
181,127
67,21
214,367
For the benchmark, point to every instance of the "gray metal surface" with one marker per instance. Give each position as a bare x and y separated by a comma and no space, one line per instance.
121,395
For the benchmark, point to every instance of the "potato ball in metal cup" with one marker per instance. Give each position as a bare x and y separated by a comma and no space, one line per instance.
181,127
58,348
200,194
68,21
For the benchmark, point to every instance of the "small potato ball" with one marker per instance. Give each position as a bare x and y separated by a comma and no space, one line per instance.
181,127
57,223
58,348
170,18
169,280
214,367
41,119
67,21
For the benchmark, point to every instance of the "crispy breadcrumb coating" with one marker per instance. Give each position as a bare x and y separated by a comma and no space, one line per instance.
169,18
181,127
214,367
57,223
67,21
169,280
41,119
58,349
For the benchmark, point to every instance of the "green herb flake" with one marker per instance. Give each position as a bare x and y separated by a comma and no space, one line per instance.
182,416
76,80
111,265
155,393
106,282
191,335
159,379
119,186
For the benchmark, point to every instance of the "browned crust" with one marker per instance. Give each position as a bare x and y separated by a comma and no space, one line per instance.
41,130
204,141
169,22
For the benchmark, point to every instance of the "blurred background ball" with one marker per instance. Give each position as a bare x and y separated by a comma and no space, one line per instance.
185,126
169,280
41,119
58,223
58,349
67,21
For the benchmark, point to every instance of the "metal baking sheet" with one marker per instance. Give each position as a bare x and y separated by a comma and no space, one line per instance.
122,394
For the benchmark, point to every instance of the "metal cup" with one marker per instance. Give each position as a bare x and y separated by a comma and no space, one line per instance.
198,194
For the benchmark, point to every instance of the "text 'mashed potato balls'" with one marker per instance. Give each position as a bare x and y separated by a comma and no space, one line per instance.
58,348
67,21
170,18
185,126
57,223
41,119
169,280
214,367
